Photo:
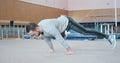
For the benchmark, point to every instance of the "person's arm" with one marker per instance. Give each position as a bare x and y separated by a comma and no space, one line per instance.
50,44
59,37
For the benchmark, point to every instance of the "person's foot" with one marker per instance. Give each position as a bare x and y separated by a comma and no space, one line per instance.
112,40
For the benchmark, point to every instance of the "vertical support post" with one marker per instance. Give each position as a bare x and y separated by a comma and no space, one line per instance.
2,33
112,29
18,33
108,31
115,4
105,29
101,27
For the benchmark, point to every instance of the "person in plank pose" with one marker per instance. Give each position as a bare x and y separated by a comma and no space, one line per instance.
56,27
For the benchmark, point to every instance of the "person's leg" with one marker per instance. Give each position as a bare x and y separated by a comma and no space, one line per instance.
80,29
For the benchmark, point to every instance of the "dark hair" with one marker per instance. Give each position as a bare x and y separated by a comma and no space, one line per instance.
31,26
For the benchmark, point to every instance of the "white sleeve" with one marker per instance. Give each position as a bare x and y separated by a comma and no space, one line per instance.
59,38
48,41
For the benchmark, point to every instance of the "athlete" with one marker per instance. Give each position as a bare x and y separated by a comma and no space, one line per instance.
56,27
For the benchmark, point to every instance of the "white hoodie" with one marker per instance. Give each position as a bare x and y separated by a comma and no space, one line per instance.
53,28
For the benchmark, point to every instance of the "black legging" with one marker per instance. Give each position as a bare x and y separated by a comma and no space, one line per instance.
80,29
